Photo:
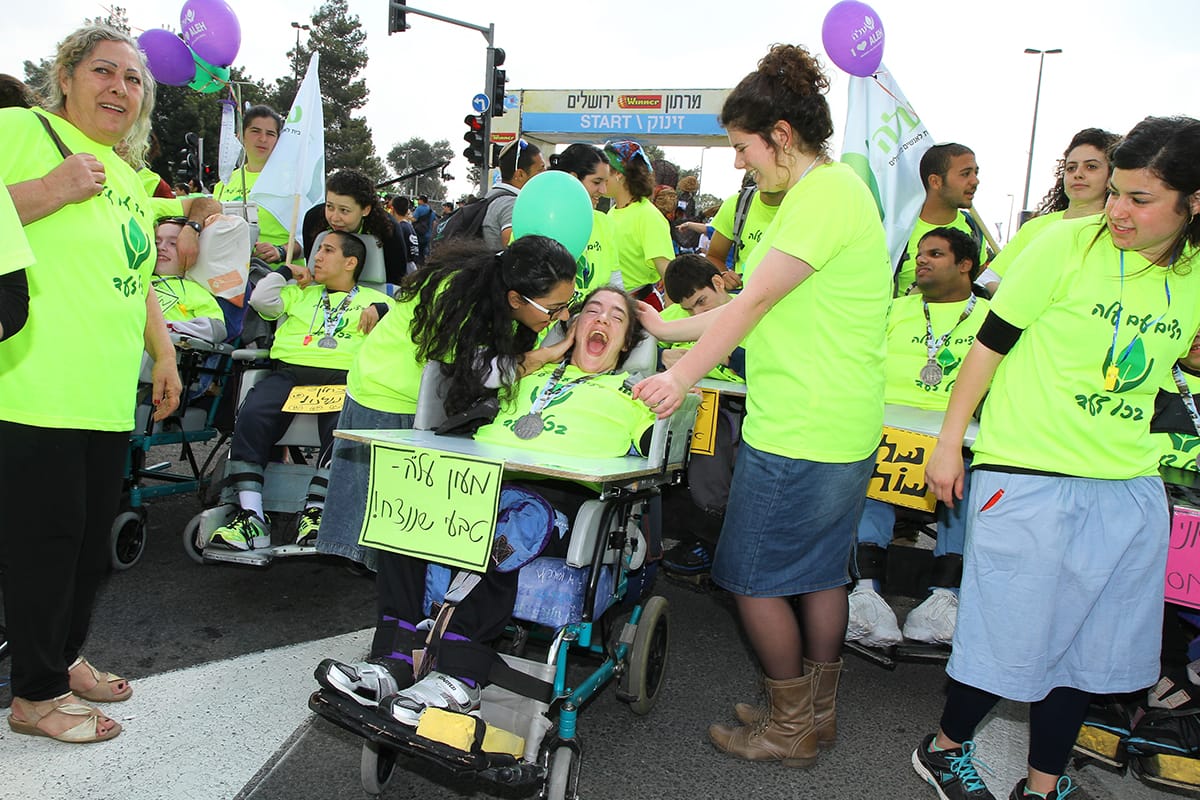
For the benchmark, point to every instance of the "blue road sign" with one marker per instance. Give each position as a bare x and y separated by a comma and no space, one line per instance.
481,103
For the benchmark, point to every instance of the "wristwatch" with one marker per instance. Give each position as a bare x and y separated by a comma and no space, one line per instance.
196,226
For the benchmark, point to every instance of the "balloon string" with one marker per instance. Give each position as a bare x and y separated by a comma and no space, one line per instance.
887,91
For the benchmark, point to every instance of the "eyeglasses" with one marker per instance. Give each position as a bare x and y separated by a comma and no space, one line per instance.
549,312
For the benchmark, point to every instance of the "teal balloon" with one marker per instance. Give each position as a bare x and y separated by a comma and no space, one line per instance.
554,204
208,78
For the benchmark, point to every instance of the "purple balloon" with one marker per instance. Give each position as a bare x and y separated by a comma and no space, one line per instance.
211,29
169,59
853,37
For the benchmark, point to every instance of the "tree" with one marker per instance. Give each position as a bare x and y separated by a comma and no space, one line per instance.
416,153
338,36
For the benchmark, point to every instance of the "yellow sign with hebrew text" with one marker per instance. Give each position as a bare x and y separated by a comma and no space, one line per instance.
704,434
899,476
315,399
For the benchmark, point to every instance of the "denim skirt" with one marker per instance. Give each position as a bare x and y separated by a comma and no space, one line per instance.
349,474
789,526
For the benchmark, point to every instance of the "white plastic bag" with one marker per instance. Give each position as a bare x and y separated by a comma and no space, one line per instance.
224,261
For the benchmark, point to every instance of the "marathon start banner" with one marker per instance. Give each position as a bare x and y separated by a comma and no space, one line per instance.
684,116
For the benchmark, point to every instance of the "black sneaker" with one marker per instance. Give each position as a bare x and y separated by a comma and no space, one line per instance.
689,557
1061,790
951,772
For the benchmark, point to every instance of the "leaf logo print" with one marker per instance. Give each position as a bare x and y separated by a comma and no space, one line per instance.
1132,369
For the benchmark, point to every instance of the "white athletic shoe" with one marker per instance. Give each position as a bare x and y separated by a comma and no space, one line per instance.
872,621
435,690
933,621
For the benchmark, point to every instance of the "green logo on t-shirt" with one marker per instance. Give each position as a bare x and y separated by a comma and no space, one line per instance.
1132,367
137,252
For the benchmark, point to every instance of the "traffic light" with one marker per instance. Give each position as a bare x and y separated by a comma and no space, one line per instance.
474,139
188,167
396,15
499,78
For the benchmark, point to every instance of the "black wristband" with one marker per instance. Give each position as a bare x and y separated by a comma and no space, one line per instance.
381,308
194,225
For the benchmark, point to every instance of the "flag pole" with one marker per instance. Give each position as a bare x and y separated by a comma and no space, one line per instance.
291,245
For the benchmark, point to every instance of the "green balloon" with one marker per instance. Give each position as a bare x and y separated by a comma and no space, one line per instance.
208,78
554,204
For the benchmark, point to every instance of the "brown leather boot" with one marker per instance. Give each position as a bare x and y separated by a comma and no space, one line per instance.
825,684
785,734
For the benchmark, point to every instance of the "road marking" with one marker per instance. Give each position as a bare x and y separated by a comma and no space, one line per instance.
194,734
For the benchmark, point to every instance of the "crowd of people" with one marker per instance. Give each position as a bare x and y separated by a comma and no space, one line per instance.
1051,528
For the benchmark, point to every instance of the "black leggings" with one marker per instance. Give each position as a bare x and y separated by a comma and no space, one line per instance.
59,492
1054,721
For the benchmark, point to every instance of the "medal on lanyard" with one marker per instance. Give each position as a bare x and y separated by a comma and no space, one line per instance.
332,319
530,425
1114,372
932,373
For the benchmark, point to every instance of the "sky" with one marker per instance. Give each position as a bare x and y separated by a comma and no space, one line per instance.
960,64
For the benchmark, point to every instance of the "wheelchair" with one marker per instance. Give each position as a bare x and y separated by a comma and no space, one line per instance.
204,369
527,738
284,481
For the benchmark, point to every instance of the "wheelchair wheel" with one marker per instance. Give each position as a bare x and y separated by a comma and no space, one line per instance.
128,539
563,780
191,543
377,766
647,662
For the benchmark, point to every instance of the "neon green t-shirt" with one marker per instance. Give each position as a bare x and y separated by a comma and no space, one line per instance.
15,254
182,300
1178,450
908,269
1032,228
598,264
758,219
908,349
597,417
1049,408
718,373
297,338
75,364
815,361
641,234
386,375
270,229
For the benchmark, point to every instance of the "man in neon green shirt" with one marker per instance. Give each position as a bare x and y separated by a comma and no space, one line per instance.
929,333
314,346
950,176
727,240
188,307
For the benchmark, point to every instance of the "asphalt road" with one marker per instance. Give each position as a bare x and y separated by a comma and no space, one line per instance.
221,658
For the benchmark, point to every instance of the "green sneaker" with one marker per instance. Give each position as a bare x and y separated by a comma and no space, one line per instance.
246,531
307,527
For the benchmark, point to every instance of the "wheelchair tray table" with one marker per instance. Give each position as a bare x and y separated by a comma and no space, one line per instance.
574,468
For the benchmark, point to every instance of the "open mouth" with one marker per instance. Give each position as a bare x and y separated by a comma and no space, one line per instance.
596,343
111,107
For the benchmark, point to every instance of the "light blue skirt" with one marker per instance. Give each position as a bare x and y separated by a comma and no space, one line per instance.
1062,585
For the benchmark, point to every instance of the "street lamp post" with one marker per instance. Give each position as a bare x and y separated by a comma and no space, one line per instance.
296,52
1041,54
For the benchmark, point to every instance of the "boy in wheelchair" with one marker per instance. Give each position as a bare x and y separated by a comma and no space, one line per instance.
579,406
188,307
929,332
314,345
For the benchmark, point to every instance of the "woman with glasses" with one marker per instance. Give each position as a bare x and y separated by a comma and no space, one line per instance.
641,233
478,311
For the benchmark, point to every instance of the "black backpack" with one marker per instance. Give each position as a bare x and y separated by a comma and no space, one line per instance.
466,220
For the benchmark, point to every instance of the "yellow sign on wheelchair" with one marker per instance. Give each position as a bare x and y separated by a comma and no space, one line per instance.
432,505
899,476
704,434
315,399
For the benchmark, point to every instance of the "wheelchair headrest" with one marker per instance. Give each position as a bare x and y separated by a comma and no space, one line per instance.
641,360
374,272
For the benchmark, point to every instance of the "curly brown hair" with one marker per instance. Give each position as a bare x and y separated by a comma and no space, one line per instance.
788,85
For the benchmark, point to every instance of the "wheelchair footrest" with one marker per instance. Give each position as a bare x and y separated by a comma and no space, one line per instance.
261,557
495,768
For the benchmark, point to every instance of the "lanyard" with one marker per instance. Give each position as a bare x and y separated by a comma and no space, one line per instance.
935,346
1110,377
549,392
1185,394
329,313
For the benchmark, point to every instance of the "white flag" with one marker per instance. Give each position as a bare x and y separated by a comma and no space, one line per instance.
230,148
884,142
293,181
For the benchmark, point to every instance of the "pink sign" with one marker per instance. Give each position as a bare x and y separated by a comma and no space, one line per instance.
1183,559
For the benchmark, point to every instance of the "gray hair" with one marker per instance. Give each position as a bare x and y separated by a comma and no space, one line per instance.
71,52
